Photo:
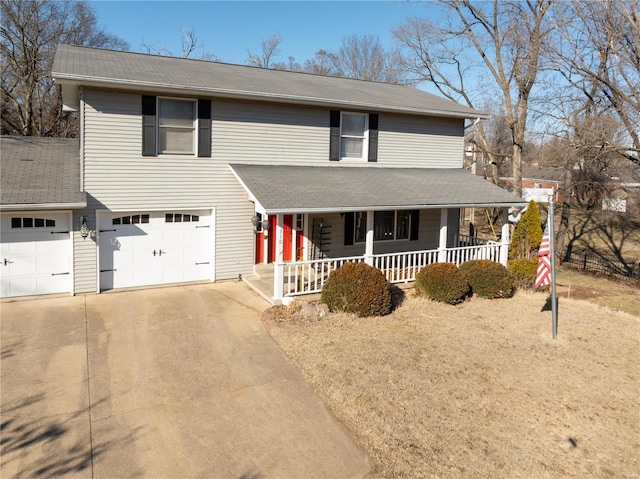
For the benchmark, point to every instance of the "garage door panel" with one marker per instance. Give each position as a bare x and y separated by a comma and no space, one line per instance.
38,258
163,250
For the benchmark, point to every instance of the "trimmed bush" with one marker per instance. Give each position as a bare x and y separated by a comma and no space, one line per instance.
358,288
488,279
442,282
523,271
527,234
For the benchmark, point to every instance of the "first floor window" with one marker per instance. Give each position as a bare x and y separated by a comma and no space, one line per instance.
387,225
176,126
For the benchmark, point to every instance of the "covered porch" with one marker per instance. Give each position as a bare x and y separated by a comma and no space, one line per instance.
310,221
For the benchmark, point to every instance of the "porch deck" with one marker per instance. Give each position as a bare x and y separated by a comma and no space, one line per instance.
282,282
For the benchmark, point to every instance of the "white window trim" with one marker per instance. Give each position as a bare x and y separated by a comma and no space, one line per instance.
365,145
194,129
395,228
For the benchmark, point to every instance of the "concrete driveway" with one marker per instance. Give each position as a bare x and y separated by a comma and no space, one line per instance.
177,382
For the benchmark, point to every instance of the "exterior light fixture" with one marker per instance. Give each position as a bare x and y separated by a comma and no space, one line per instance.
259,224
85,232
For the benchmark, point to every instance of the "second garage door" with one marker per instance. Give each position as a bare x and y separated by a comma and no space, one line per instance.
148,248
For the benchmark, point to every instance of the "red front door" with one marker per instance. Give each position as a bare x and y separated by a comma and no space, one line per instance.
287,237
287,241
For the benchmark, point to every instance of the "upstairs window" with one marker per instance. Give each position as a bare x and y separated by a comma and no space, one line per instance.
354,136
174,126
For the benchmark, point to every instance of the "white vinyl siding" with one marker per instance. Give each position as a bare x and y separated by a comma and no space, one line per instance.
118,178
420,142
261,133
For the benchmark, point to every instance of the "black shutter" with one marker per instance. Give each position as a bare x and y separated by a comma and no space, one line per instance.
149,126
349,224
334,145
415,225
373,137
204,128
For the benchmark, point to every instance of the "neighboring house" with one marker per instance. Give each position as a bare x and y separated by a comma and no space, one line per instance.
196,170
539,183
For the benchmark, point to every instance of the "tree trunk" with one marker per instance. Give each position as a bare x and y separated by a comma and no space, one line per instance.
565,215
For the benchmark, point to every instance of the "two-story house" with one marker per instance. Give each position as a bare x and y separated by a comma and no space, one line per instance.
203,171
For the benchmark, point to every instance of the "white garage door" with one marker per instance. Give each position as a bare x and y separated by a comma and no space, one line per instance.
148,248
35,254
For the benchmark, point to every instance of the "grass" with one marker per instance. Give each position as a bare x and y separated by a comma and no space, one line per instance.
479,389
617,295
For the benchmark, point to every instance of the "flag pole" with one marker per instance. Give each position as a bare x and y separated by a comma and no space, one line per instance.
552,259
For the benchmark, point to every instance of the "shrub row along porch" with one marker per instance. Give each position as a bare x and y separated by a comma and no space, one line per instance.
308,277
309,221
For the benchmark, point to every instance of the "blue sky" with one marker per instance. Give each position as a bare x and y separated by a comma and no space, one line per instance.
228,29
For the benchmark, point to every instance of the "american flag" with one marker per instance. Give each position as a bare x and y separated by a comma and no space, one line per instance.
543,276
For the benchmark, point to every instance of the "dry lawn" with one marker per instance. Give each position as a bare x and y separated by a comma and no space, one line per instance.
616,294
479,390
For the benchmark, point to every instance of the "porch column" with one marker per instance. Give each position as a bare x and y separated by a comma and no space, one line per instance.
444,231
265,244
368,251
278,272
504,243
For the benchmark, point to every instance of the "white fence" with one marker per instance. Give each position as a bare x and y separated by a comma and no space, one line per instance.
307,277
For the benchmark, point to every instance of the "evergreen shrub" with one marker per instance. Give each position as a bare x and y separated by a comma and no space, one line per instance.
527,234
442,282
358,288
488,279
523,271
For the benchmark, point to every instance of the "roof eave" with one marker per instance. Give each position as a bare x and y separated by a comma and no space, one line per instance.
42,206
346,209
100,82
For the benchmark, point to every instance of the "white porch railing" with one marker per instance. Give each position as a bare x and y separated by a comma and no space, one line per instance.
461,254
308,277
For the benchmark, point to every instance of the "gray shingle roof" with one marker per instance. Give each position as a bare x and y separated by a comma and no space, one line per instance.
40,171
107,68
300,189
542,173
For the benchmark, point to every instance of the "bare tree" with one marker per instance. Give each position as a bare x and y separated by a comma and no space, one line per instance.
269,48
597,52
31,30
501,41
364,58
322,63
189,44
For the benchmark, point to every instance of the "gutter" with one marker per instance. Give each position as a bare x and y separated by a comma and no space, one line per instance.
43,206
347,209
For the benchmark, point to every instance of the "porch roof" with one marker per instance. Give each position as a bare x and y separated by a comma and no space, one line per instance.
279,189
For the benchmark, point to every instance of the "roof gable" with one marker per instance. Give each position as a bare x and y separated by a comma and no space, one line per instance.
116,69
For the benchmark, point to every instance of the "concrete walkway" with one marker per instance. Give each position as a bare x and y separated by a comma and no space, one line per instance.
179,382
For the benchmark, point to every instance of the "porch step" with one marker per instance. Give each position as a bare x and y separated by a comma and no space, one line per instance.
263,271
261,286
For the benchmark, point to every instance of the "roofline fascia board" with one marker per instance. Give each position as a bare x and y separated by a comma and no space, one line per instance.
258,207
43,206
346,209
80,80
